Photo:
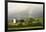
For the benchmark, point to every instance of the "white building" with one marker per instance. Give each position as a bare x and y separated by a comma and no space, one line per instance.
14,20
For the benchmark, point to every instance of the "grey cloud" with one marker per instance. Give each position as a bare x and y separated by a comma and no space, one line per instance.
33,10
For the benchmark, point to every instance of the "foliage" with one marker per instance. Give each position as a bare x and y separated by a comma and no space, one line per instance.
31,22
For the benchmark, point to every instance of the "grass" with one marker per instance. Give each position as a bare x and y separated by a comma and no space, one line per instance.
32,23
18,28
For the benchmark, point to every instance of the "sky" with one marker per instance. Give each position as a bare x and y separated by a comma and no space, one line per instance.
22,10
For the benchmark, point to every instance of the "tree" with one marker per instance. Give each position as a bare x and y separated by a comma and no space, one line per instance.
31,20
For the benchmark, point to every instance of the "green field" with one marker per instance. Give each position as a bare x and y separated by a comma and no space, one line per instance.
31,23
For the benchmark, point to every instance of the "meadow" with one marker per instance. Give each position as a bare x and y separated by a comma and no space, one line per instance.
30,23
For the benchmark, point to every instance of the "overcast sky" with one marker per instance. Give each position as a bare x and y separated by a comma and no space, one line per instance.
21,10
